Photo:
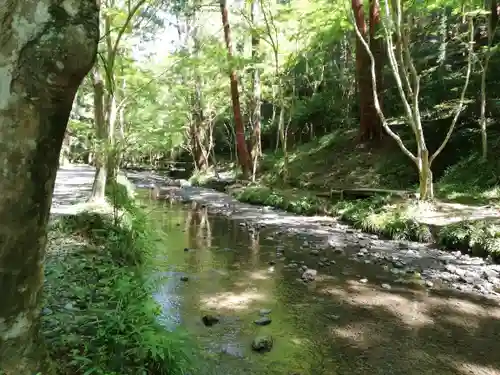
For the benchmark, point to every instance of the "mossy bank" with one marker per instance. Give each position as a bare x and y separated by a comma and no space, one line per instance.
379,215
99,316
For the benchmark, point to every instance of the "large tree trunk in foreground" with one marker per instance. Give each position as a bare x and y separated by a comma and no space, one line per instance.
46,49
241,145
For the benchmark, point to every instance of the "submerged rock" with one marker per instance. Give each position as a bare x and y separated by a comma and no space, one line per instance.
184,278
309,275
262,344
210,320
264,321
263,312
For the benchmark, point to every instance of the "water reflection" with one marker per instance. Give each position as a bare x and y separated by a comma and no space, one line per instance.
335,325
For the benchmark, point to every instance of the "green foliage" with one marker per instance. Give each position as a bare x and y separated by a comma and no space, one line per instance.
99,316
369,215
472,180
479,238
302,203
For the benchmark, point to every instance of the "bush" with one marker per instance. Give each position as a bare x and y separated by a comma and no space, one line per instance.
479,238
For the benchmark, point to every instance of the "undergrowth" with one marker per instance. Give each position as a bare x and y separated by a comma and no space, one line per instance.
369,215
378,216
99,315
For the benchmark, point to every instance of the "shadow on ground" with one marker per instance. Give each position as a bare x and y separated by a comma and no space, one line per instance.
356,318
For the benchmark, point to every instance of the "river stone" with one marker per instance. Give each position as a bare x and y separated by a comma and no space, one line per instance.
263,312
184,278
262,344
314,252
309,275
210,320
264,321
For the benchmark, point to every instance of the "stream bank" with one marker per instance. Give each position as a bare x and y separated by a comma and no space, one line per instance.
432,266
98,313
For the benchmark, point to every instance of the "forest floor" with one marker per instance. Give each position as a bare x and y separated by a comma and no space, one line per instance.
465,214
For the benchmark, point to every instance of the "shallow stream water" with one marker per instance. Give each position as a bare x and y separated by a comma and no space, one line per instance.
355,318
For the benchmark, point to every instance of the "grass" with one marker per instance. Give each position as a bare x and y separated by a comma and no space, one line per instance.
380,216
99,316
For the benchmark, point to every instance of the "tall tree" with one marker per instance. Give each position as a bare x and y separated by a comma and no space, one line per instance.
241,145
105,92
255,104
370,126
47,49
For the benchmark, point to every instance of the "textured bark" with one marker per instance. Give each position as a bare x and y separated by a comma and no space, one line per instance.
101,132
370,125
46,49
241,145
256,94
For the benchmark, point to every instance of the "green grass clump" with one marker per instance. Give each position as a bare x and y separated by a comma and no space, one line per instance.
300,203
479,238
370,215
375,216
99,315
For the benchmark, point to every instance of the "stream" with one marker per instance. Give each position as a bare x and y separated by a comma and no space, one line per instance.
357,313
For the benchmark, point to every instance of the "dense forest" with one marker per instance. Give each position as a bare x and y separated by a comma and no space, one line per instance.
245,81
304,104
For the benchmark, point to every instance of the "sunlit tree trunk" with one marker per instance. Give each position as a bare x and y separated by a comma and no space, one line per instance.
256,150
407,80
101,138
43,60
483,121
241,145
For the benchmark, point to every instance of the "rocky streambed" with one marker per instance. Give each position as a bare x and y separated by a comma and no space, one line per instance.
323,236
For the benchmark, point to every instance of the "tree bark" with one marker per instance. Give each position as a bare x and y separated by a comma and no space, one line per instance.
241,146
46,51
256,151
370,125
101,161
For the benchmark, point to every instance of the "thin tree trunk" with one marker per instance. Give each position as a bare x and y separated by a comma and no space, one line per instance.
256,93
241,146
99,185
41,72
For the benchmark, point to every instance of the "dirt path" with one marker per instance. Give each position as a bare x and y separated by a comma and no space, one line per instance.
73,185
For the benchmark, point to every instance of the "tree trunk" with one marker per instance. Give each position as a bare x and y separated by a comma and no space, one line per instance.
256,151
241,146
375,131
370,126
46,51
99,185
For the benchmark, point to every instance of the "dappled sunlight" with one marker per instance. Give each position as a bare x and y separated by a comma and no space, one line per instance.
232,300
410,312
467,368
259,274
360,335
